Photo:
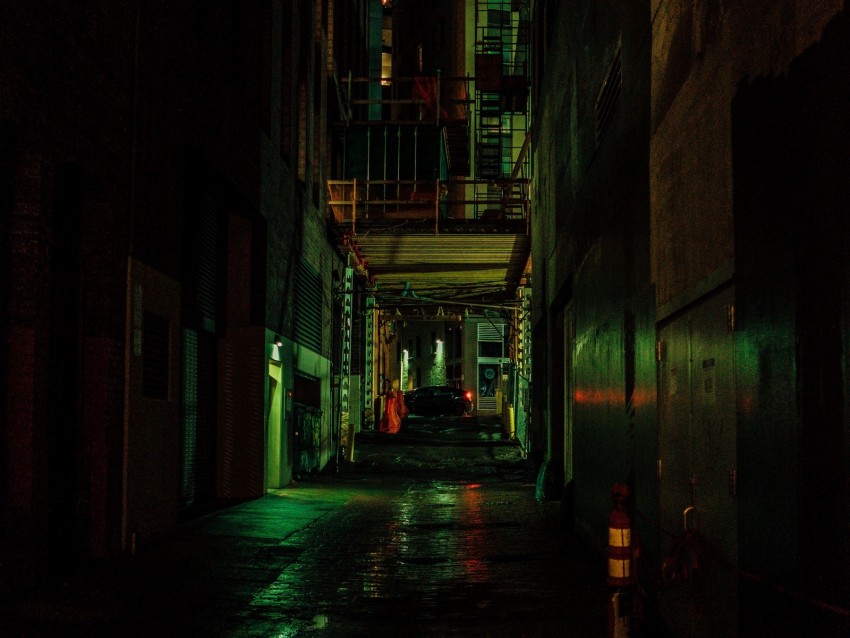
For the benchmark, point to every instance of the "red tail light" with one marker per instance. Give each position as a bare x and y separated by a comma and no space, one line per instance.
469,395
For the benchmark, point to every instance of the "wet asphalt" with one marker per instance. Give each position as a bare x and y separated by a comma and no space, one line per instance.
435,531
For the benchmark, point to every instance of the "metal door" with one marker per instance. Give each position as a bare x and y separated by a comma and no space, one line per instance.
488,384
697,468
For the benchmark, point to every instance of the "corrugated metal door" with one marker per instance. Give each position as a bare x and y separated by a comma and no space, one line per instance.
188,464
308,306
697,468
199,418
201,316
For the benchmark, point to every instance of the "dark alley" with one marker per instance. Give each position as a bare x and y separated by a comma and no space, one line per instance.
433,532
258,258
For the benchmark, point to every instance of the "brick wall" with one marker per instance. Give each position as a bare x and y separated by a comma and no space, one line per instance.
26,507
147,110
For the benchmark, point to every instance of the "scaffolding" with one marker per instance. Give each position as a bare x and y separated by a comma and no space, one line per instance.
418,127
432,145
502,200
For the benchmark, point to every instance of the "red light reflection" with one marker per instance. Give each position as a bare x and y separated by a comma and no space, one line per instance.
603,396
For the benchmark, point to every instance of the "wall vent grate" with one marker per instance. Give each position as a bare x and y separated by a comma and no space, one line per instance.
609,95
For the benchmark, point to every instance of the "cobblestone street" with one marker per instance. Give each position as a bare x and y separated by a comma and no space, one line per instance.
433,532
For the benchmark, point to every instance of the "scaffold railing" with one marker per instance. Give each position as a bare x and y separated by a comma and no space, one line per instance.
354,200
422,98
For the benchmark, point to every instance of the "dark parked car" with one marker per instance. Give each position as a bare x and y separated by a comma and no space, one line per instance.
438,400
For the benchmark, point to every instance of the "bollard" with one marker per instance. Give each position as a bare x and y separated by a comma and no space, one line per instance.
620,572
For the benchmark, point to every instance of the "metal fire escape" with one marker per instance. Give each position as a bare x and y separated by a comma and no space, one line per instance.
501,93
430,195
501,88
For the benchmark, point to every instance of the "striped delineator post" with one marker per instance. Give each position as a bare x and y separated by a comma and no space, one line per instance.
620,568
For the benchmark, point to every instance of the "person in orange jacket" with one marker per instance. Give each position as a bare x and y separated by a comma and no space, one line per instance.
395,409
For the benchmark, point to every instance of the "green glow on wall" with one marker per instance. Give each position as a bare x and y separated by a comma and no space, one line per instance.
438,368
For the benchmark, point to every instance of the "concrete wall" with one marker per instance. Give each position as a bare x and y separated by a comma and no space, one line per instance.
790,161
590,253
701,53
700,221
736,198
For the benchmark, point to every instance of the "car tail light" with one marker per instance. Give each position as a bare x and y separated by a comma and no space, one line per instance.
469,395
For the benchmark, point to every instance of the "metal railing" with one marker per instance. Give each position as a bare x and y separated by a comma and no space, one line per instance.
354,200
425,98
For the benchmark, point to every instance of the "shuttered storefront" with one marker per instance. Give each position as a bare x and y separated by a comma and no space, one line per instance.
197,484
202,304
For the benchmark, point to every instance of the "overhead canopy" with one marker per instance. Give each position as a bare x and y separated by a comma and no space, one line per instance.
461,241
462,267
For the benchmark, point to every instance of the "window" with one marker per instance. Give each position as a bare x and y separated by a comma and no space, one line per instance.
609,95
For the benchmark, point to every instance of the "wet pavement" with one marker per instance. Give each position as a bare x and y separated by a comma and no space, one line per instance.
434,531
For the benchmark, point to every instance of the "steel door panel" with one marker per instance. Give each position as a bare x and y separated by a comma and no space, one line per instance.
697,469
674,423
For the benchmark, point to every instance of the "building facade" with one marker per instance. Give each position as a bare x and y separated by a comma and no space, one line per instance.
689,312
168,286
